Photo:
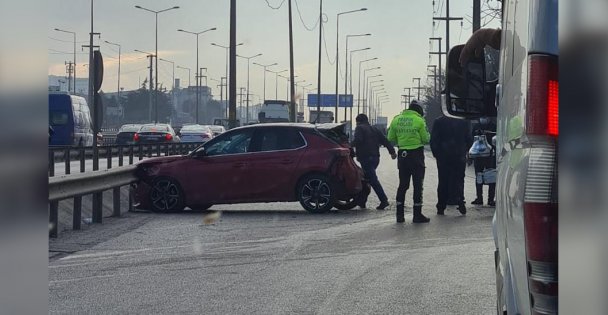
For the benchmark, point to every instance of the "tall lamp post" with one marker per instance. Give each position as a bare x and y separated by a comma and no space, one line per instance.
156,57
349,72
247,100
227,62
338,55
118,89
265,69
197,67
359,84
365,81
74,34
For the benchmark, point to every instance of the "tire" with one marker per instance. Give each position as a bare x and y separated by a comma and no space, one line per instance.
166,195
315,193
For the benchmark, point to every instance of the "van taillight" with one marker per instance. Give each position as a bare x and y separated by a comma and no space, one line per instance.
541,225
136,137
543,96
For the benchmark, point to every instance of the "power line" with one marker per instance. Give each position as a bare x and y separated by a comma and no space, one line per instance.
302,20
275,8
327,51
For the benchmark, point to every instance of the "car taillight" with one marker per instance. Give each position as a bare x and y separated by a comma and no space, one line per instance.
136,137
541,225
168,137
543,96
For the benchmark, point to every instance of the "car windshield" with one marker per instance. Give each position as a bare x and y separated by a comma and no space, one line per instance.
130,128
154,128
194,129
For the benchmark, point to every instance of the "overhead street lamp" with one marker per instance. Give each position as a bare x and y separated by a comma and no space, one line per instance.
189,73
359,84
365,81
276,81
197,74
338,53
156,56
74,34
227,62
265,69
247,102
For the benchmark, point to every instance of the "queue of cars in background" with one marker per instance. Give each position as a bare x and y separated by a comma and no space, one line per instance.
278,162
155,133
196,133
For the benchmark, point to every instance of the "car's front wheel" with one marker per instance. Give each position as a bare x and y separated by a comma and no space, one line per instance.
315,193
166,195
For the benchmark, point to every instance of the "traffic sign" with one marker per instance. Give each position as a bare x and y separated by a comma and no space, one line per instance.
329,100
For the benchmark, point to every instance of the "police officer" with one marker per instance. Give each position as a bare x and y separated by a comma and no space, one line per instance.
409,131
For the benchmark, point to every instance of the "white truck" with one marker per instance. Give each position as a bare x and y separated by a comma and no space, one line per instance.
524,97
274,111
325,116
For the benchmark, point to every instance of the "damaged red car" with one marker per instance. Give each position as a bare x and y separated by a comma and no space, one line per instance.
280,162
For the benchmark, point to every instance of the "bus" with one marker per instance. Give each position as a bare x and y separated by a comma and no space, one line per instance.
70,118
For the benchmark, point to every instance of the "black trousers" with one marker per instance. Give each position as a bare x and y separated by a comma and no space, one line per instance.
480,165
450,188
411,167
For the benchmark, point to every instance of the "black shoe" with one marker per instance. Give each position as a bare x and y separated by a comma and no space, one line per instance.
421,219
462,208
383,205
492,203
477,201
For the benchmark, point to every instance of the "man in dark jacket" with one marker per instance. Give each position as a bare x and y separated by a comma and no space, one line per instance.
367,143
450,142
486,127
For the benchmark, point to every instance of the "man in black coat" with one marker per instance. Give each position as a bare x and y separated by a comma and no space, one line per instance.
367,149
486,127
450,142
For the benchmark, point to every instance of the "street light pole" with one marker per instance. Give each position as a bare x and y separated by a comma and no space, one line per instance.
338,57
247,100
189,73
265,69
74,34
197,67
346,76
276,82
156,57
365,78
227,61
359,84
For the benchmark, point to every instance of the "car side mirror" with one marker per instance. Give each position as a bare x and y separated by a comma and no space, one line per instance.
200,153
468,94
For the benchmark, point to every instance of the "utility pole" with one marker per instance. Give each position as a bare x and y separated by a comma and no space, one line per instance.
69,68
292,104
417,88
319,67
476,15
241,102
447,20
409,96
151,90
434,76
440,53
232,84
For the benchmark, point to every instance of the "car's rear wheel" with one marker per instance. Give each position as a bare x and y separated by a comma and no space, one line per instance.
166,195
315,193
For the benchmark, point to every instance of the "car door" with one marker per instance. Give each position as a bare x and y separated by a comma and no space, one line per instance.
272,171
217,175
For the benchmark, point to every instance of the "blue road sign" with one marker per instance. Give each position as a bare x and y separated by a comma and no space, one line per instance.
329,100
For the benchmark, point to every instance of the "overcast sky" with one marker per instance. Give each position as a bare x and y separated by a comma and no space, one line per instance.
400,30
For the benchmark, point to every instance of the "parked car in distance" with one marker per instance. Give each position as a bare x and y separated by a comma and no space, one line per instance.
196,133
217,130
125,134
278,162
155,133
70,118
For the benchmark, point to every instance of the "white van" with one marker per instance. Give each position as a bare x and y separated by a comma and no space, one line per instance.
524,98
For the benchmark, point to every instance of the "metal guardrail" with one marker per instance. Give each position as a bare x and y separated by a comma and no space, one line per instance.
78,185
127,154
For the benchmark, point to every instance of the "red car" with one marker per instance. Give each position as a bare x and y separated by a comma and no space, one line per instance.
279,162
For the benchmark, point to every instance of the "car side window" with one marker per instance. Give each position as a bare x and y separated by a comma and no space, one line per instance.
279,140
233,143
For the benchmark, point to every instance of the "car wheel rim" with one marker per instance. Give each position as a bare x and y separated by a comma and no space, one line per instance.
316,194
165,195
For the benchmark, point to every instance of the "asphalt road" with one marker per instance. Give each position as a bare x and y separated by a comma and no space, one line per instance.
277,259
